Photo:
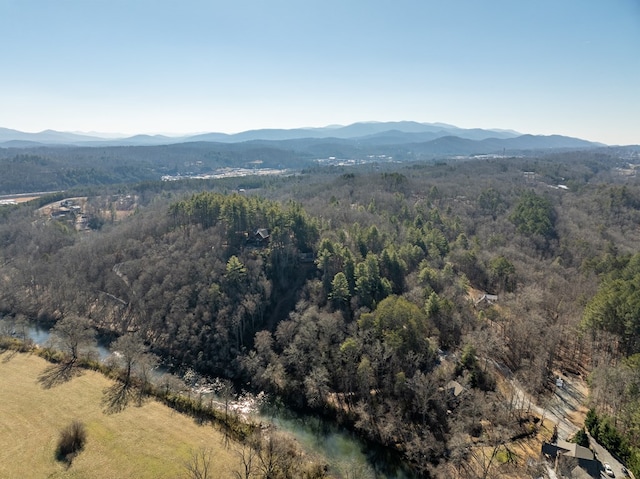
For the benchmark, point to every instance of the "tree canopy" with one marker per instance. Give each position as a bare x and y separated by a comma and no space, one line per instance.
534,215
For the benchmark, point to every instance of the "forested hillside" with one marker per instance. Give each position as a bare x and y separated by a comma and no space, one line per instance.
53,168
60,168
361,293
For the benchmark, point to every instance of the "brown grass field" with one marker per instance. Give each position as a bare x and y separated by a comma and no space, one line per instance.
150,441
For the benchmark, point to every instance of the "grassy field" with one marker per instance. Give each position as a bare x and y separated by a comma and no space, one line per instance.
150,441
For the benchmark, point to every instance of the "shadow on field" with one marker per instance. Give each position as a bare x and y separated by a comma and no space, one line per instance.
116,398
8,354
58,374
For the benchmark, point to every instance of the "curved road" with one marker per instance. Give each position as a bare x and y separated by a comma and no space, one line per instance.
563,406
564,403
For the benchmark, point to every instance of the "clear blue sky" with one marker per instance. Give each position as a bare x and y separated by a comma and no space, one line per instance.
569,67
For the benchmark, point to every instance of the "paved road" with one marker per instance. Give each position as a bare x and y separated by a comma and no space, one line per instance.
564,402
604,456
568,399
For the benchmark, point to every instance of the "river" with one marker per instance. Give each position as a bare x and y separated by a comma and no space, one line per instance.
347,455
41,335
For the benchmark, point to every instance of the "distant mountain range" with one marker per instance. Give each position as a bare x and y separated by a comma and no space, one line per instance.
53,160
422,138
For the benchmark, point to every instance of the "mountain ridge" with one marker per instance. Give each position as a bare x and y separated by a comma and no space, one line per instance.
351,131
431,139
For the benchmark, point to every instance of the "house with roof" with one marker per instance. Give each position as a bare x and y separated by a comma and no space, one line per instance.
487,299
454,389
572,460
260,237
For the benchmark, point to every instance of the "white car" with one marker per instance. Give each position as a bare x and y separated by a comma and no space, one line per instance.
608,471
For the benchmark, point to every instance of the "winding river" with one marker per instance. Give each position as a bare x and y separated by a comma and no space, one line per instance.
346,455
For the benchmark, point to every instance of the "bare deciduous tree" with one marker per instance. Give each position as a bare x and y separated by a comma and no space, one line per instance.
74,335
247,455
199,465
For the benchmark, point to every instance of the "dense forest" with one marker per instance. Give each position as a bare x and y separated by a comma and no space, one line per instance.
361,293
64,167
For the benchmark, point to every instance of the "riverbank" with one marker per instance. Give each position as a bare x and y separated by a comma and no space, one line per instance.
149,441
344,454
243,438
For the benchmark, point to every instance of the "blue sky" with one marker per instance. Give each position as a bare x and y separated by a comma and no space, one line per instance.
569,67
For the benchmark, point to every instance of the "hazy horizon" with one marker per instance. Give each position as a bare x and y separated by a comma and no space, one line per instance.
116,134
158,67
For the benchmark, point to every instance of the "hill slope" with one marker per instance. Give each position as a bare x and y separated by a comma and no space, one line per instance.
151,441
